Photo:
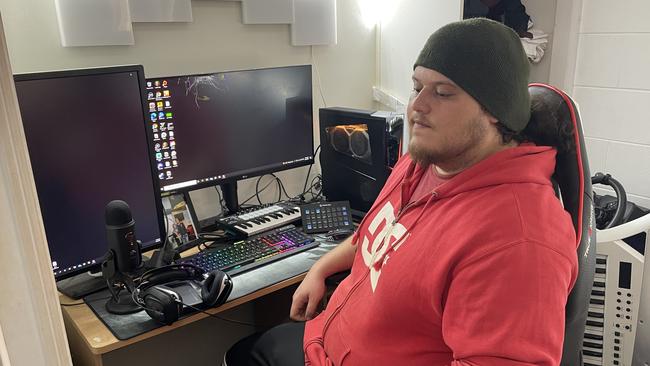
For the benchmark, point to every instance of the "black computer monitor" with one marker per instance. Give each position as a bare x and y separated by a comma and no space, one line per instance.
216,128
87,140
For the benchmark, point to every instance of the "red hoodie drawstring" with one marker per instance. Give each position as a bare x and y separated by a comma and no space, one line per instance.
357,233
379,263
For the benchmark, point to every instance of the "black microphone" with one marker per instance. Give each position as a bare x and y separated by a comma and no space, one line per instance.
120,234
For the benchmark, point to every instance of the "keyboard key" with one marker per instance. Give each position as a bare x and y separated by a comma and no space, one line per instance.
255,251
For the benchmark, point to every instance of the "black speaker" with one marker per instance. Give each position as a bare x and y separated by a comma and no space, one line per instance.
358,150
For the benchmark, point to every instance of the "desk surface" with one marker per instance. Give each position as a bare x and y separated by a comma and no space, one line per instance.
247,286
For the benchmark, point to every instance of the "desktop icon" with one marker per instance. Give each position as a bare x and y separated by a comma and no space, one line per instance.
166,93
149,85
172,144
165,145
158,95
163,135
155,136
160,105
159,156
150,96
154,127
160,166
168,115
152,106
171,134
161,115
175,162
168,104
161,176
174,152
156,83
166,154
169,174
163,126
157,147
164,83
167,164
170,125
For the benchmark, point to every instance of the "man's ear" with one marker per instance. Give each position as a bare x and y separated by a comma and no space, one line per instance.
492,119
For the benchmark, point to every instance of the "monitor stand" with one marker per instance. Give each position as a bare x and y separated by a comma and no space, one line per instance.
81,285
230,196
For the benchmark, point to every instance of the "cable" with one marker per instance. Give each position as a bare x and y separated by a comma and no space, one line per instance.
72,304
257,187
320,85
216,316
256,193
221,202
82,302
280,186
216,240
283,189
318,185
304,188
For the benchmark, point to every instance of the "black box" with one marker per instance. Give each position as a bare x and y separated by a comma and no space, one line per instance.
358,150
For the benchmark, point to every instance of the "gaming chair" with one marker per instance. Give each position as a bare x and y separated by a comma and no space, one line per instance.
574,185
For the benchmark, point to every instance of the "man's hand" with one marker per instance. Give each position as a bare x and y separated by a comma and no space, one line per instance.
307,296
310,292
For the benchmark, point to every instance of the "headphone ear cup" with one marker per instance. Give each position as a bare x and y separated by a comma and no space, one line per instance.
216,288
162,306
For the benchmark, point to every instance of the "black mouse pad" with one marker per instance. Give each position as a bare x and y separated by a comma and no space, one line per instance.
131,325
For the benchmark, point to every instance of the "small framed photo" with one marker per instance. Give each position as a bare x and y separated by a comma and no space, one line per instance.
181,228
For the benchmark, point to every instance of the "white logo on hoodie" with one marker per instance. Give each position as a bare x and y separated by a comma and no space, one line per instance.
390,232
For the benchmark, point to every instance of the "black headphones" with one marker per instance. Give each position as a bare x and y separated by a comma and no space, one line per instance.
165,305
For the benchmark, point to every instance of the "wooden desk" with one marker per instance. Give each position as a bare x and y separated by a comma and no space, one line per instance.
89,338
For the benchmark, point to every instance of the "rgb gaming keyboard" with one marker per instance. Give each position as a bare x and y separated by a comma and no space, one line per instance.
255,251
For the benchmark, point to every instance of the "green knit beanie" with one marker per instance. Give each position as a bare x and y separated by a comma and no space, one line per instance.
486,59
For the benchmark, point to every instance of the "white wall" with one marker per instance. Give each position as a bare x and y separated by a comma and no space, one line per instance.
565,44
216,41
402,36
612,87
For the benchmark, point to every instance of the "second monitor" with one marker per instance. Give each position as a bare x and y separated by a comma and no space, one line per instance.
217,128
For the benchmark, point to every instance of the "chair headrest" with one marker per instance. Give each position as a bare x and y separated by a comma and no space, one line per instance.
555,117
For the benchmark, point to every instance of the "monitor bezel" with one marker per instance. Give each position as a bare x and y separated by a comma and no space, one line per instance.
139,70
257,172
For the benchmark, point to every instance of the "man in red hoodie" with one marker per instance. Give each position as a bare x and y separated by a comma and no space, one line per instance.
466,257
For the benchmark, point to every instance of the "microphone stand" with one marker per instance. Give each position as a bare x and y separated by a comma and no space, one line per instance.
121,302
